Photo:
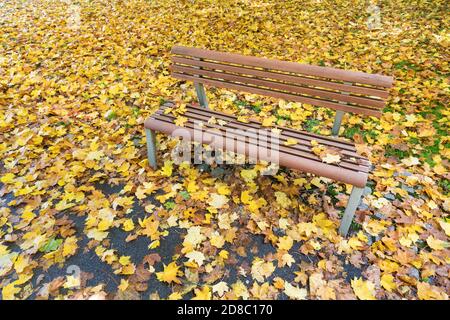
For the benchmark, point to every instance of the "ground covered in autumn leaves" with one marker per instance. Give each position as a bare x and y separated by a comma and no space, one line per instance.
83,216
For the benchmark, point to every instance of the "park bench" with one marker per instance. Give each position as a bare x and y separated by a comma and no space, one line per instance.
341,90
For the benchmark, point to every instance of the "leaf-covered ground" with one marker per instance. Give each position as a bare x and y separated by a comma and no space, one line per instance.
83,216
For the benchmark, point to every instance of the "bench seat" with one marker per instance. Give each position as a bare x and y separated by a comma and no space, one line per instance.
352,167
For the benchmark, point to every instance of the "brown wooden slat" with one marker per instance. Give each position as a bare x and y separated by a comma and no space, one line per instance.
355,178
256,124
302,142
361,101
310,70
204,116
283,149
297,151
280,95
303,137
382,93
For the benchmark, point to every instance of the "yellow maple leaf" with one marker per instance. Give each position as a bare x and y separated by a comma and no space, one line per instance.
217,240
72,282
125,260
114,89
21,263
364,290
223,254
212,120
223,190
9,291
175,296
70,246
243,119
387,281
436,244
285,243
149,208
167,169
240,290
246,197
154,244
261,269
94,155
170,273
287,260
439,169
194,236
267,122
104,225
217,200
128,269
220,288
96,234
150,227
331,158
276,131
290,142
294,292
196,256
445,226
425,291
128,225
202,294
249,175
282,199
318,287
123,285
180,121
278,283
7,178
355,243
411,161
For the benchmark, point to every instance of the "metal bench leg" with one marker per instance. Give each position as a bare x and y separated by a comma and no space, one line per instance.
201,95
337,122
353,203
151,147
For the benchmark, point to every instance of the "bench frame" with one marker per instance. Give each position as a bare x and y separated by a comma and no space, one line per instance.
356,193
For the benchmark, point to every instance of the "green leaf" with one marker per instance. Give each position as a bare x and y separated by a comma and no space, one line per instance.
169,205
52,245
185,195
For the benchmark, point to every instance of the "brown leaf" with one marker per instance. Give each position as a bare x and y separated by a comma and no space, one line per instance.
152,258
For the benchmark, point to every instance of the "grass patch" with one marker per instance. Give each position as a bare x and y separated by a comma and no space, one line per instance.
445,185
406,65
311,124
397,153
349,132
243,104
430,151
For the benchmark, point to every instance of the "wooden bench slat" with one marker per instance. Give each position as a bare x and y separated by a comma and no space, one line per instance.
284,150
293,150
304,150
356,178
342,87
202,115
313,93
256,124
310,70
303,137
296,79
281,95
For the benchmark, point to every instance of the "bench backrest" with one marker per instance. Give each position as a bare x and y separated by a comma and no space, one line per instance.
348,91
